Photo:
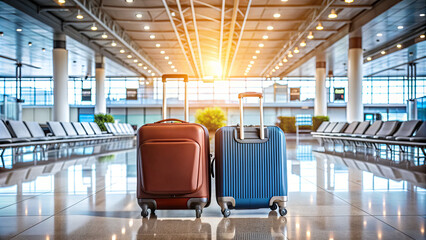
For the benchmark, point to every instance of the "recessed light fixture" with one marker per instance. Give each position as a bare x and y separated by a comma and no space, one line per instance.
149,71
261,45
265,37
270,28
251,62
140,64
379,34
369,59
296,50
43,49
245,74
93,27
277,15
422,14
166,57
30,44
319,27
145,67
310,35
332,14
400,27
175,70
280,64
284,0
257,51
273,70
162,52
129,56
290,54
113,44
399,46
122,51
422,36
104,36
152,36
172,66
146,27
349,1
157,45
254,57
169,62
129,1
61,1
303,43
139,15
285,60
383,52
173,14
135,60
19,29
277,67
249,65
79,16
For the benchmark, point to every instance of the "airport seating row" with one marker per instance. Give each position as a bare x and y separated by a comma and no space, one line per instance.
16,134
408,133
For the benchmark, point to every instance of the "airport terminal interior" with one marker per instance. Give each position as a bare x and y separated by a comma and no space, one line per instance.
315,107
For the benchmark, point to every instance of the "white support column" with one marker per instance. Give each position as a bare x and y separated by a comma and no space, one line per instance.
61,109
320,105
100,106
355,108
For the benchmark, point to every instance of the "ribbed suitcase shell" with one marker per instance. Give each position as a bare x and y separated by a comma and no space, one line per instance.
251,173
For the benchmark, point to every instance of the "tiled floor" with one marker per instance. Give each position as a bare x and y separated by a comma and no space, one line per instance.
330,197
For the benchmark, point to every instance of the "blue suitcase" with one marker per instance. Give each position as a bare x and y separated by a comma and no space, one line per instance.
251,169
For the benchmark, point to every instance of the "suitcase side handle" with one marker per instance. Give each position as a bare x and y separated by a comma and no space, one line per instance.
171,119
186,106
251,94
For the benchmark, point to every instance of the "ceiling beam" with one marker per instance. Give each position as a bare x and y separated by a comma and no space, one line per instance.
218,20
197,38
230,36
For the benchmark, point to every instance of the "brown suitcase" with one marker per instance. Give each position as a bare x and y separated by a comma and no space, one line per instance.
173,162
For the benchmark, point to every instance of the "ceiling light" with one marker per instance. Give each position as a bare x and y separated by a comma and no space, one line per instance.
129,1
162,52
296,50
383,52
270,28
145,67
319,27
104,36
79,16
169,62
113,44
280,64
349,1
277,15
122,51
139,15
265,37
129,56
273,70
261,45
19,29
140,64
310,36
276,67
399,46
245,74
251,62
303,43
257,51
284,0
249,65
422,36
254,57
149,71
152,36
30,44
94,28
369,59
166,57
175,70
332,14
400,27
379,34
290,54
285,60
152,74
157,45
172,66
173,14
43,49
422,14
146,27
61,1
135,60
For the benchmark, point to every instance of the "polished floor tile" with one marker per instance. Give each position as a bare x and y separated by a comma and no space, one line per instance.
330,197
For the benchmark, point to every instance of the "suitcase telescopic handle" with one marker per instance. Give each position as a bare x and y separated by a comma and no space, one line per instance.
186,107
251,94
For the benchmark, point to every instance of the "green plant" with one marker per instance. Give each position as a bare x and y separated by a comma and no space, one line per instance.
317,120
287,124
107,158
212,118
101,118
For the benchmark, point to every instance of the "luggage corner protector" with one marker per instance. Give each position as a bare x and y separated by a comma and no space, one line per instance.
224,200
192,202
150,202
278,199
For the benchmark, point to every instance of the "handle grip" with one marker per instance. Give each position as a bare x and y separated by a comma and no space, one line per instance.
250,94
171,119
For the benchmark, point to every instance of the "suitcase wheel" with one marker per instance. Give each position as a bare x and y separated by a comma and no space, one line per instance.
144,212
274,206
283,211
198,211
226,212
